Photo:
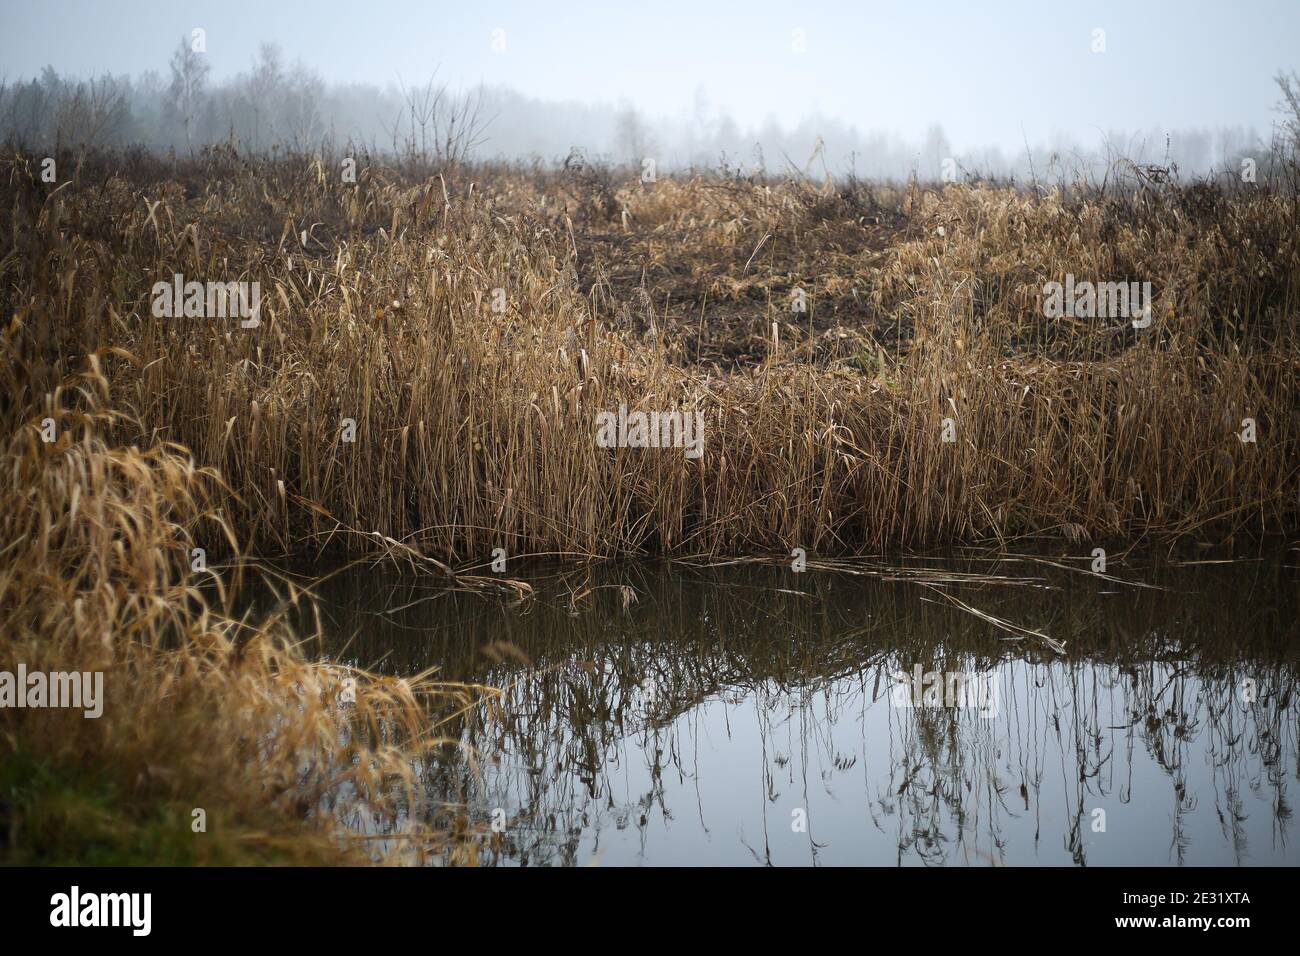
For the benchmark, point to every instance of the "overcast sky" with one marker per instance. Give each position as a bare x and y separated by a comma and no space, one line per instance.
992,73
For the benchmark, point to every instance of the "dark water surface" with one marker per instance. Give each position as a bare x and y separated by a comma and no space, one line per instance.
720,709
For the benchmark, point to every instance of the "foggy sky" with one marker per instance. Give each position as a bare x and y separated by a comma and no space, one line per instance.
997,74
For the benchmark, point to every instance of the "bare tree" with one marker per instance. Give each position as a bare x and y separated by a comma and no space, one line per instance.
264,90
189,79
631,136
95,111
1289,84
444,128
301,108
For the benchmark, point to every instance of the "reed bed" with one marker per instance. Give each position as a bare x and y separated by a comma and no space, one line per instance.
219,741
474,427
464,332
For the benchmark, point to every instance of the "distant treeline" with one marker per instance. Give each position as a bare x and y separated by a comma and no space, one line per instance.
275,106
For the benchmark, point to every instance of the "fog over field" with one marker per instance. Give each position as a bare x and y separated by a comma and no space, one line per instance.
881,90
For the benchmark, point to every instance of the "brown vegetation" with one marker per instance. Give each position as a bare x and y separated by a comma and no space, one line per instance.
823,428
475,427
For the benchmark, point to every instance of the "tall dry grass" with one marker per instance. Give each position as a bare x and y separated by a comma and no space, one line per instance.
289,759
475,429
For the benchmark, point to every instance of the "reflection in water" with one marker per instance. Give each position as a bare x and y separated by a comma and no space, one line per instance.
745,715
